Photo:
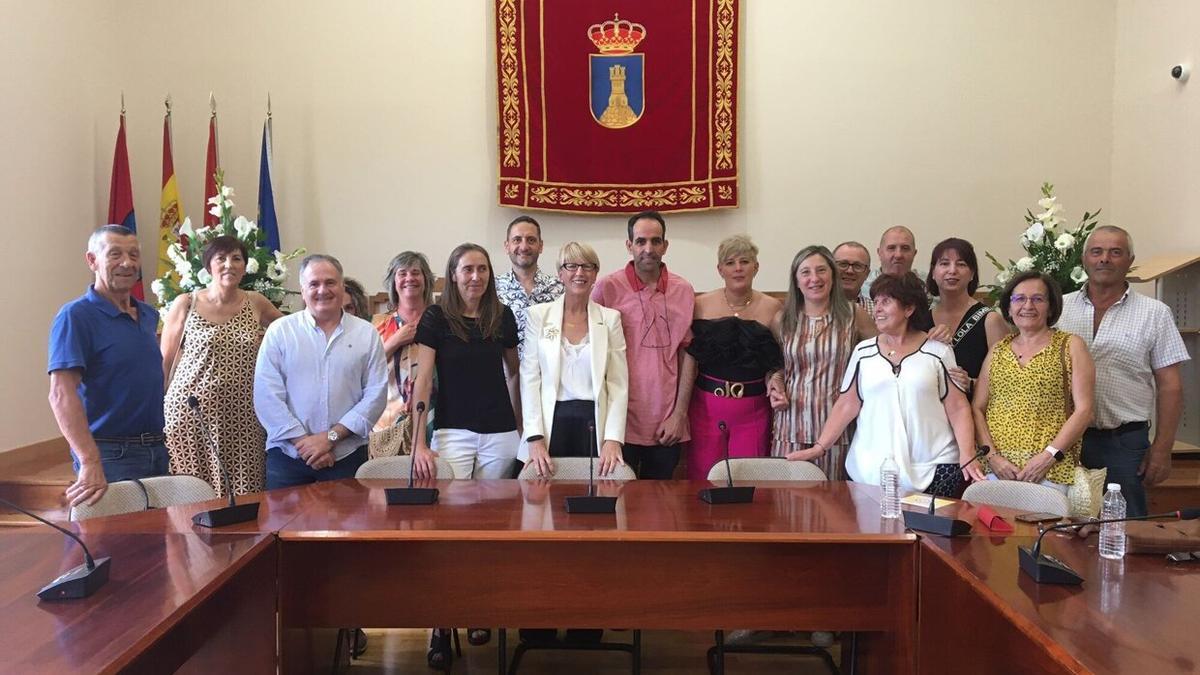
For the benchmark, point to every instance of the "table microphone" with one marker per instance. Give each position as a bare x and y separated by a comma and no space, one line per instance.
929,521
413,496
728,494
76,583
591,502
1046,569
227,515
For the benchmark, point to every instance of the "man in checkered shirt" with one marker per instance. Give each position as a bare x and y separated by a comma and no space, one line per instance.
1137,349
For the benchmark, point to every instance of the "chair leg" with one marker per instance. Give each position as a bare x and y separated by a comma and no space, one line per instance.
457,644
502,652
637,651
343,635
716,654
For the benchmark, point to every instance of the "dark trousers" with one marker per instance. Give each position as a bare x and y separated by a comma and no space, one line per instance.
126,461
569,435
284,471
652,462
1122,455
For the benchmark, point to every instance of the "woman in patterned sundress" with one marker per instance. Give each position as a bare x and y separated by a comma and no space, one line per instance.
817,328
210,341
1034,396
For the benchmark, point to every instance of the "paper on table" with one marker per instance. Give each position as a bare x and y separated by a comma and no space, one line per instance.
923,501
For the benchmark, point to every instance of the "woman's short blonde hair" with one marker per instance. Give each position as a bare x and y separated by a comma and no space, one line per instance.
737,245
574,251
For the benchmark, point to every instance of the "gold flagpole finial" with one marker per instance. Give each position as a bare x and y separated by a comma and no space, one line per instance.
212,103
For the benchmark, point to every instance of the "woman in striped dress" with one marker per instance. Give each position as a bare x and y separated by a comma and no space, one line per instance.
817,328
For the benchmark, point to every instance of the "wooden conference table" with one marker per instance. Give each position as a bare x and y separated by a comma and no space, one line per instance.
506,553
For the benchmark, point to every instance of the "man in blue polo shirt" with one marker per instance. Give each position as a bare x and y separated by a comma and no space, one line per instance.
106,376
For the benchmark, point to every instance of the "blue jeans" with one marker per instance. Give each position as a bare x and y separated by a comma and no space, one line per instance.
284,471
126,461
1122,455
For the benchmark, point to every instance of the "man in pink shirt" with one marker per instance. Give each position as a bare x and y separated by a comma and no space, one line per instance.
656,314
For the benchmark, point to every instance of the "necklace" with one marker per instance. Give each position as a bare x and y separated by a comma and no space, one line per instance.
737,309
892,352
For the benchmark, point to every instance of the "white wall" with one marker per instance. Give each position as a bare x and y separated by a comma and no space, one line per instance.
1156,123
939,114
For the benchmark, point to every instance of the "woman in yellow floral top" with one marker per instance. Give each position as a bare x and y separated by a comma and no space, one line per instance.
1033,399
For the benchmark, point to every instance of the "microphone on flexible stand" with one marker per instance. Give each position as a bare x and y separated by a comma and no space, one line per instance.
728,494
413,496
928,521
591,502
75,583
1046,569
227,515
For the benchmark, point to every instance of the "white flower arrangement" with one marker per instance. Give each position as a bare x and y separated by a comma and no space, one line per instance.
1047,248
266,270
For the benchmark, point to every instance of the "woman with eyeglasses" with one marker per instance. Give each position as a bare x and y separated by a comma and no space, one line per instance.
952,280
818,327
731,353
573,371
1034,396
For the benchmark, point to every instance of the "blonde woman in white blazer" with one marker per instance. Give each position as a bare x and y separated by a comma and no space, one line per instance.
573,371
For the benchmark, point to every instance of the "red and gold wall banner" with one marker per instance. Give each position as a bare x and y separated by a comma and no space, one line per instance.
617,106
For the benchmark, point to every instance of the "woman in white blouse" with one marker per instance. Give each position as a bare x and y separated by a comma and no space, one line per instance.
573,371
899,388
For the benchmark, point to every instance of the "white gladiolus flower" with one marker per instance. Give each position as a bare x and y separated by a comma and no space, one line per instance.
156,287
226,191
204,277
205,233
1064,242
183,267
215,199
245,228
175,253
1035,233
1047,202
185,229
1003,277
216,210
1078,275
252,266
1024,264
185,279
277,271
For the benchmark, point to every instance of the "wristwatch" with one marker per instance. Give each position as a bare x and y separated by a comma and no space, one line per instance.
1057,454
333,436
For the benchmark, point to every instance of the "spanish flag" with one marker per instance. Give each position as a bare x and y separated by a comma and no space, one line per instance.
170,209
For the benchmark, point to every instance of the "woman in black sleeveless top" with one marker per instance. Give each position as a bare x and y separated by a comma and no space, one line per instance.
952,280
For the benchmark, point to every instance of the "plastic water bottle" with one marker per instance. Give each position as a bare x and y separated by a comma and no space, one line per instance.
889,486
1112,535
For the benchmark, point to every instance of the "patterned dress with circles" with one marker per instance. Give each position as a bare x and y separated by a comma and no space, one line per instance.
217,367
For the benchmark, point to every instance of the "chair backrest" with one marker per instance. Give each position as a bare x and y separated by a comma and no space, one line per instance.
766,468
1017,494
128,496
576,468
382,468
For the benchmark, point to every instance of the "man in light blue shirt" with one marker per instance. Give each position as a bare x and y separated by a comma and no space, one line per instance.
320,383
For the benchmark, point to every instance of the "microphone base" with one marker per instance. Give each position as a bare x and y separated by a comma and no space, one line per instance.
411,496
935,524
77,583
591,504
1046,569
742,494
230,515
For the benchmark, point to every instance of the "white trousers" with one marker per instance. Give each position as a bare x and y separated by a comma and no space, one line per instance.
475,455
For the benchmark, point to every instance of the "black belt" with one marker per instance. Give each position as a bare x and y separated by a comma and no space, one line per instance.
1117,431
727,389
141,439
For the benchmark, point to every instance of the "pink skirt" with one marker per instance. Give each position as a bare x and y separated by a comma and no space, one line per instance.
749,423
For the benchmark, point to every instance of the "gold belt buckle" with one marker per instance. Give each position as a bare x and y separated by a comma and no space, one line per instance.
730,390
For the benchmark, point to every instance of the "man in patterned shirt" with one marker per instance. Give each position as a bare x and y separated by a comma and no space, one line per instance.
525,285
1137,349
